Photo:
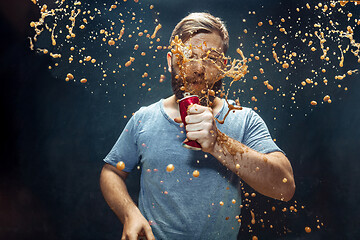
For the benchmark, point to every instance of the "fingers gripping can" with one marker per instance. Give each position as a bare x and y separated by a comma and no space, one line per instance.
184,103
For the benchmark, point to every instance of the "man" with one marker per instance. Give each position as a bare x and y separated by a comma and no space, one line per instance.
176,204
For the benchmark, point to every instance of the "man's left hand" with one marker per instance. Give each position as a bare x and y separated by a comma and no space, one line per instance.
201,127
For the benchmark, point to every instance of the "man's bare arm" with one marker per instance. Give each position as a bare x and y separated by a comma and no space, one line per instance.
113,187
270,174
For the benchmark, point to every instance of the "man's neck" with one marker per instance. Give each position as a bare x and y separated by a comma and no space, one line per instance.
171,106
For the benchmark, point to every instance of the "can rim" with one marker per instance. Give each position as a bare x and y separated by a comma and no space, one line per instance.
188,97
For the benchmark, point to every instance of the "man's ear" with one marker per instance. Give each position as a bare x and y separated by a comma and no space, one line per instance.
169,57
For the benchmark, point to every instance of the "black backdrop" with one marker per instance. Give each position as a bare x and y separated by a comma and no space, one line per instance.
55,135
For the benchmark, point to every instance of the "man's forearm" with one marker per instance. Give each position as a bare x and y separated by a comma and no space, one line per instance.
116,194
269,174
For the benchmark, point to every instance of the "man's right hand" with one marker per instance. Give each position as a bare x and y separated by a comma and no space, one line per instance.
137,226
113,187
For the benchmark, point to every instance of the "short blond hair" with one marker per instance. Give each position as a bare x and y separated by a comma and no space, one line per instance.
201,22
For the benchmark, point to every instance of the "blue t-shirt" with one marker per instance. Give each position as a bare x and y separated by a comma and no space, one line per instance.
177,204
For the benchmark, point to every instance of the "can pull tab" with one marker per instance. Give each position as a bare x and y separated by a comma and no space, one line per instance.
187,94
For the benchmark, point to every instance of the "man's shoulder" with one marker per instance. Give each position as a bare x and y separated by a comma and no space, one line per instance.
243,111
244,115
150,109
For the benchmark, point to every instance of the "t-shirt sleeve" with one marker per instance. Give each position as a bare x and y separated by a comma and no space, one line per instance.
257,135
125,148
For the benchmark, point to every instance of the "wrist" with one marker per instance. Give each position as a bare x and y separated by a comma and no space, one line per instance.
215,147
130,212
215,150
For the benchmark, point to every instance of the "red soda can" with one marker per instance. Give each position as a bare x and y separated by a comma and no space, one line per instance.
184,103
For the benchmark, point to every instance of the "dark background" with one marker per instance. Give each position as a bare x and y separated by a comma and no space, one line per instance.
55,135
